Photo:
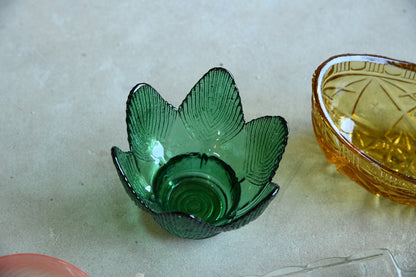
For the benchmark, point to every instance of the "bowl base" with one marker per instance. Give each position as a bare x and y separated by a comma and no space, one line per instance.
199,185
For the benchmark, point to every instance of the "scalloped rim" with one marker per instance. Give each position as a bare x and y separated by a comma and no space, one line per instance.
221,228
316,89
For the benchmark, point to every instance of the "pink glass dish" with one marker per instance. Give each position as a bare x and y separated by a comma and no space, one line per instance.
30,265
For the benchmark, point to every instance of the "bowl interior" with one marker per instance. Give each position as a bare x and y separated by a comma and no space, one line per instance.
371,102
200,185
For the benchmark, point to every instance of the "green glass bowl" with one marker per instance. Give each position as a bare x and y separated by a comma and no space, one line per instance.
200,169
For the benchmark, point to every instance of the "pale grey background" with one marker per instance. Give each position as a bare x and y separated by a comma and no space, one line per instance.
66,68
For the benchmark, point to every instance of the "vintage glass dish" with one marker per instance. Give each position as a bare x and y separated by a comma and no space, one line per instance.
29,265
372,263
200,169
364,117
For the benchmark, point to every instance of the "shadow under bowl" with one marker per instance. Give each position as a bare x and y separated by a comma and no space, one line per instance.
364,118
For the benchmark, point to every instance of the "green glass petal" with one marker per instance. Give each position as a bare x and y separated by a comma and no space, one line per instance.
266,139
257,195
137,188
255,210
212,111
149,120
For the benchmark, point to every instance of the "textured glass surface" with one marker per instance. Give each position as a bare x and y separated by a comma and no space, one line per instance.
364,116
200,169
373,263
30,265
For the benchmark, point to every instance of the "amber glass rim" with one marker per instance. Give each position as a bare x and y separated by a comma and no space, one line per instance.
317,95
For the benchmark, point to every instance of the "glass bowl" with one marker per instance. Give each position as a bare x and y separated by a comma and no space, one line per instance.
200,169
27,265
364,117
371,263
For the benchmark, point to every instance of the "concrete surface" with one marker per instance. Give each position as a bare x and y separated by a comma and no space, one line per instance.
66,68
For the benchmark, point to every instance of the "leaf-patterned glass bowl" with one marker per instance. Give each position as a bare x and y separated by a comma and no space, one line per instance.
364,117
200,169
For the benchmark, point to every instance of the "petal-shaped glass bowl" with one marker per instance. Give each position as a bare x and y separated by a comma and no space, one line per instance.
364,117
28,265
200,169
372,263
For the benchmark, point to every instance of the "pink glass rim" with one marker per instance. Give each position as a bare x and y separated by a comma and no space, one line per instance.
59,266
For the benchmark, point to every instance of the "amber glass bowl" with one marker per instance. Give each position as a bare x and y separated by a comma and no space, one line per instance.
364,117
